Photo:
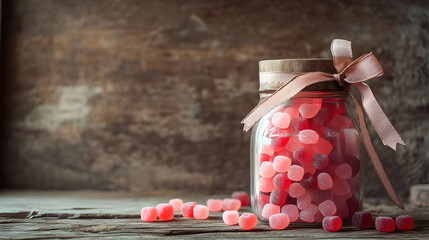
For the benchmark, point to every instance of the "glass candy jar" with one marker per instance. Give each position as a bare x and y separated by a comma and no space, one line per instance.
305,154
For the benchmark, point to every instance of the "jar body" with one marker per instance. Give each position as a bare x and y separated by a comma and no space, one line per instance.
305,159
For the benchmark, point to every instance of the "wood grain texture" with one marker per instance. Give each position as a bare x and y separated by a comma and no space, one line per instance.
145,95
86,214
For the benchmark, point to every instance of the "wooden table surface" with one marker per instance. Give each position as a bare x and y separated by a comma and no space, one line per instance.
115,215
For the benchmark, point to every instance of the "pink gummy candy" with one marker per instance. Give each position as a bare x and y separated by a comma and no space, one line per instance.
278,197
281,120
247,221
266,185
404,222
293,144
176,203
340,122
268,149
324,181
299,124
214,205
303,154
201,212
308,110
188,209
304,202
165,211
384,224
149,214
362,220
270,209
308,136
279,142
295,173
266,170
328,208
307,215
322,146
296,190
293,111
340,187
292,211
264,157
281,163
231,204
279,221
332,224
343,171
242,196
230,217
281,181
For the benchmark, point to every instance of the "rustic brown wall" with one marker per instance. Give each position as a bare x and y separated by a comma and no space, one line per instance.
144,95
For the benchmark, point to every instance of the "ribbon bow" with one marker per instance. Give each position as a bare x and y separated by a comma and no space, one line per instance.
350,72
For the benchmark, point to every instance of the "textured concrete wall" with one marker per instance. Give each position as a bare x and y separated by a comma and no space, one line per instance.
144,95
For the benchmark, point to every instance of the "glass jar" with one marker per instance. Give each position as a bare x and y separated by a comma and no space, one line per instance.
305,154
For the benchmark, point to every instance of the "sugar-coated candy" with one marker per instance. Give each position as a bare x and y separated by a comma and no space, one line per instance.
214,205
279,142
321,195
354,164
293,144
278,197
281,163
320,161
404,222
231,204
303,154
201,212
332,224
304,201
292,111
149,214
309,182
268,149
307,215
242,196
308,110
281,120
188,209
362,220
343,171
324,181
270,209
327,208
165,211
266,184
266,170
298,124
230,217
384,224
247,221
340,122
281,181
340,187
322,146
279,221
296,190
295,173
176,203
332,135
308,136
292,211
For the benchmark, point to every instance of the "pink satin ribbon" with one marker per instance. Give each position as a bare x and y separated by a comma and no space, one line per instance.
350,73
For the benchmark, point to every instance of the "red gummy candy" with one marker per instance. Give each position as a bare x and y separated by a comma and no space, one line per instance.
242,196
303,154
309,182
320,161
362,220
281,181
265,157
300,123
165,211
188,209
332,224
278,197
279,142
384,224
404,222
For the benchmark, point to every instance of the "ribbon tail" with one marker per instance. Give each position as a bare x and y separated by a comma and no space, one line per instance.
366,137
388,134
287,91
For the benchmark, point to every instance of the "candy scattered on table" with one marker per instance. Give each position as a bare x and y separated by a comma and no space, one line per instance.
248,221
332,224
188,209
279,221
242,196
362,220
176,203
215,205
149,214
404,222
384,224
201,212
230,217
165,211
231,204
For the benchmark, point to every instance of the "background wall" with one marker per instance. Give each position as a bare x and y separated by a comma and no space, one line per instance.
148,95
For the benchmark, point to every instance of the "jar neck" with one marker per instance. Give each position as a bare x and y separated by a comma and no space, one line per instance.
343,94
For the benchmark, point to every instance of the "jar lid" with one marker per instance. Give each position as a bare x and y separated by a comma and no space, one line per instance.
298,66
